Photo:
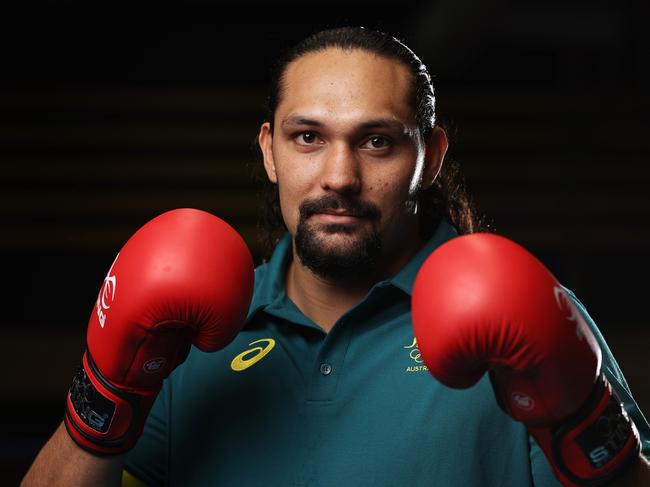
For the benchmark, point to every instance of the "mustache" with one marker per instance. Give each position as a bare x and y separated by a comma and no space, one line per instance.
352,207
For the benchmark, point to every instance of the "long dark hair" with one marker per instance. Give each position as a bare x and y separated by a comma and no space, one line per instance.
446,199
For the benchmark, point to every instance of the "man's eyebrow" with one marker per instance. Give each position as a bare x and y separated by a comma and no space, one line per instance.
391,124
300,120
388,123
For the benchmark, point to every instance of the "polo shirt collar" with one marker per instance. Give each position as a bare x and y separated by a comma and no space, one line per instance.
270,287
405,278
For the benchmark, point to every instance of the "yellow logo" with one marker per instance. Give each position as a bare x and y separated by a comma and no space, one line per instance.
415,355
245,360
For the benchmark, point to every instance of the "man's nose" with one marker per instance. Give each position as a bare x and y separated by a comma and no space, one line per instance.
341,170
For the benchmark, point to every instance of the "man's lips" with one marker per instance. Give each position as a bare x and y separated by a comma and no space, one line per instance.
336,216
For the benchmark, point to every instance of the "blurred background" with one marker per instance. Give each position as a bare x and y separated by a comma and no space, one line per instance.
112,115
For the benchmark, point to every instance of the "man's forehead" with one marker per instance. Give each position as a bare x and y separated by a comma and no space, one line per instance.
336,81
356,64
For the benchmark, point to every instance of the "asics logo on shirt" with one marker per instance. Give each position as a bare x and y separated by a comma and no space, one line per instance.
253,355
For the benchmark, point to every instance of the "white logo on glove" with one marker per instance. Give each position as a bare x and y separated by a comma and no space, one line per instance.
106,295
153,365
522,401
565,305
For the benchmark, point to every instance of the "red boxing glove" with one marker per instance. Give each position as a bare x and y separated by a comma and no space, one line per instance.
186,277
481,302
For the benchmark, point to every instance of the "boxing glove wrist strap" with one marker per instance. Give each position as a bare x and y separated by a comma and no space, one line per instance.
598,443
100,417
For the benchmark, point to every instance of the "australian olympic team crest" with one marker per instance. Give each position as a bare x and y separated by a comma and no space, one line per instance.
414,354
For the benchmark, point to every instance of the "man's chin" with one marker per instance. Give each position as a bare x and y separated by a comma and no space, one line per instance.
337,250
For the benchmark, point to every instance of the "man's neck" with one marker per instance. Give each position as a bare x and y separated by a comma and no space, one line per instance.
325,301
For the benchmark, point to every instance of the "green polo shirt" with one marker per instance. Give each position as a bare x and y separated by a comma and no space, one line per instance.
287,404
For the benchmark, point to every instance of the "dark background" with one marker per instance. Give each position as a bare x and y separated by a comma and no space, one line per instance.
112,115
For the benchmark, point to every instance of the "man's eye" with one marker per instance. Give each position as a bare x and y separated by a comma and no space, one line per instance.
306,138
377,142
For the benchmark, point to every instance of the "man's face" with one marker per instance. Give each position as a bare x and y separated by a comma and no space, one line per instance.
348,160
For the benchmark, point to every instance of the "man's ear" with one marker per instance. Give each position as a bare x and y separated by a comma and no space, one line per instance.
265,140
435,149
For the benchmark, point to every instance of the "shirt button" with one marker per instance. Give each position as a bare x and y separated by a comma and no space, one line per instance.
325,369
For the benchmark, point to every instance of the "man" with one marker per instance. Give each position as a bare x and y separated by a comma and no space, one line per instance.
325,383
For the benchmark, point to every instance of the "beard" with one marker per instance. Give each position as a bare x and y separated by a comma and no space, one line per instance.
338,251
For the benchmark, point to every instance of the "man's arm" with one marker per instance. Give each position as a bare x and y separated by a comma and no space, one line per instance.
481,302
184,278
62,462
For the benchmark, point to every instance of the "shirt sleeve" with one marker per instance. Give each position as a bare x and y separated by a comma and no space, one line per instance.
541,469
615,377
148,460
